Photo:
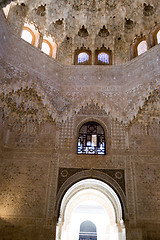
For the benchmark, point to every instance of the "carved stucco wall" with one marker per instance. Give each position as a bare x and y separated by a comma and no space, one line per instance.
63,20
43,103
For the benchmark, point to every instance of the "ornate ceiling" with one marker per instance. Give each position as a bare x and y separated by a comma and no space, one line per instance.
118,16
94,23
112,87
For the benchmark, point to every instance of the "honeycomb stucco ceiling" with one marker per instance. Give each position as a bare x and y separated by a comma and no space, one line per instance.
63,19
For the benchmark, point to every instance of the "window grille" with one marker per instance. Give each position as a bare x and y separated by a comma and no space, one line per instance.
83,57
103,57
91,139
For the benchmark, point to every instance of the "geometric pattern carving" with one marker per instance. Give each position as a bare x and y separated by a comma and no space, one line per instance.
118,135
23,190
24,104
148,191
66,134
92,109
144,137
150,110
116,174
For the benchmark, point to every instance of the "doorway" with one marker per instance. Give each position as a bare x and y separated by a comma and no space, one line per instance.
96,203
88,231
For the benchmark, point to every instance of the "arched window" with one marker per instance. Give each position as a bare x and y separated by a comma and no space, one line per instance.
83,57
49,46
91,139
142,47
88,231
27,35
139,46
103,56
158,37
30,34
46,48
155,35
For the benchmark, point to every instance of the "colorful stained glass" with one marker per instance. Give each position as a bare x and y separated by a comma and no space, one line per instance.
142,47
103,57
83,57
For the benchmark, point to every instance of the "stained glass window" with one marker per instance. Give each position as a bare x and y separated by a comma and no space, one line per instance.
103,57
27,36
142,47
83,57
91,139
158,37
45,48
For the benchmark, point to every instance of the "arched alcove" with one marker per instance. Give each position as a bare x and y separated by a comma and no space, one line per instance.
95,201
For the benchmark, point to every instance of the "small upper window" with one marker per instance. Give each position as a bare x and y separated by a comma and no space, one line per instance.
158,37
83,58
49,46
142,47
30,34
91,139
46,48
103,57
27,36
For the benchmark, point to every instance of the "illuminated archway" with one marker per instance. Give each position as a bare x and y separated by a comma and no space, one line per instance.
91,200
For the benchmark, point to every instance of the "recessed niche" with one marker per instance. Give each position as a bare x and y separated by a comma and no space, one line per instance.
41,10
59,21
103,32
129,24
148,10
83,32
